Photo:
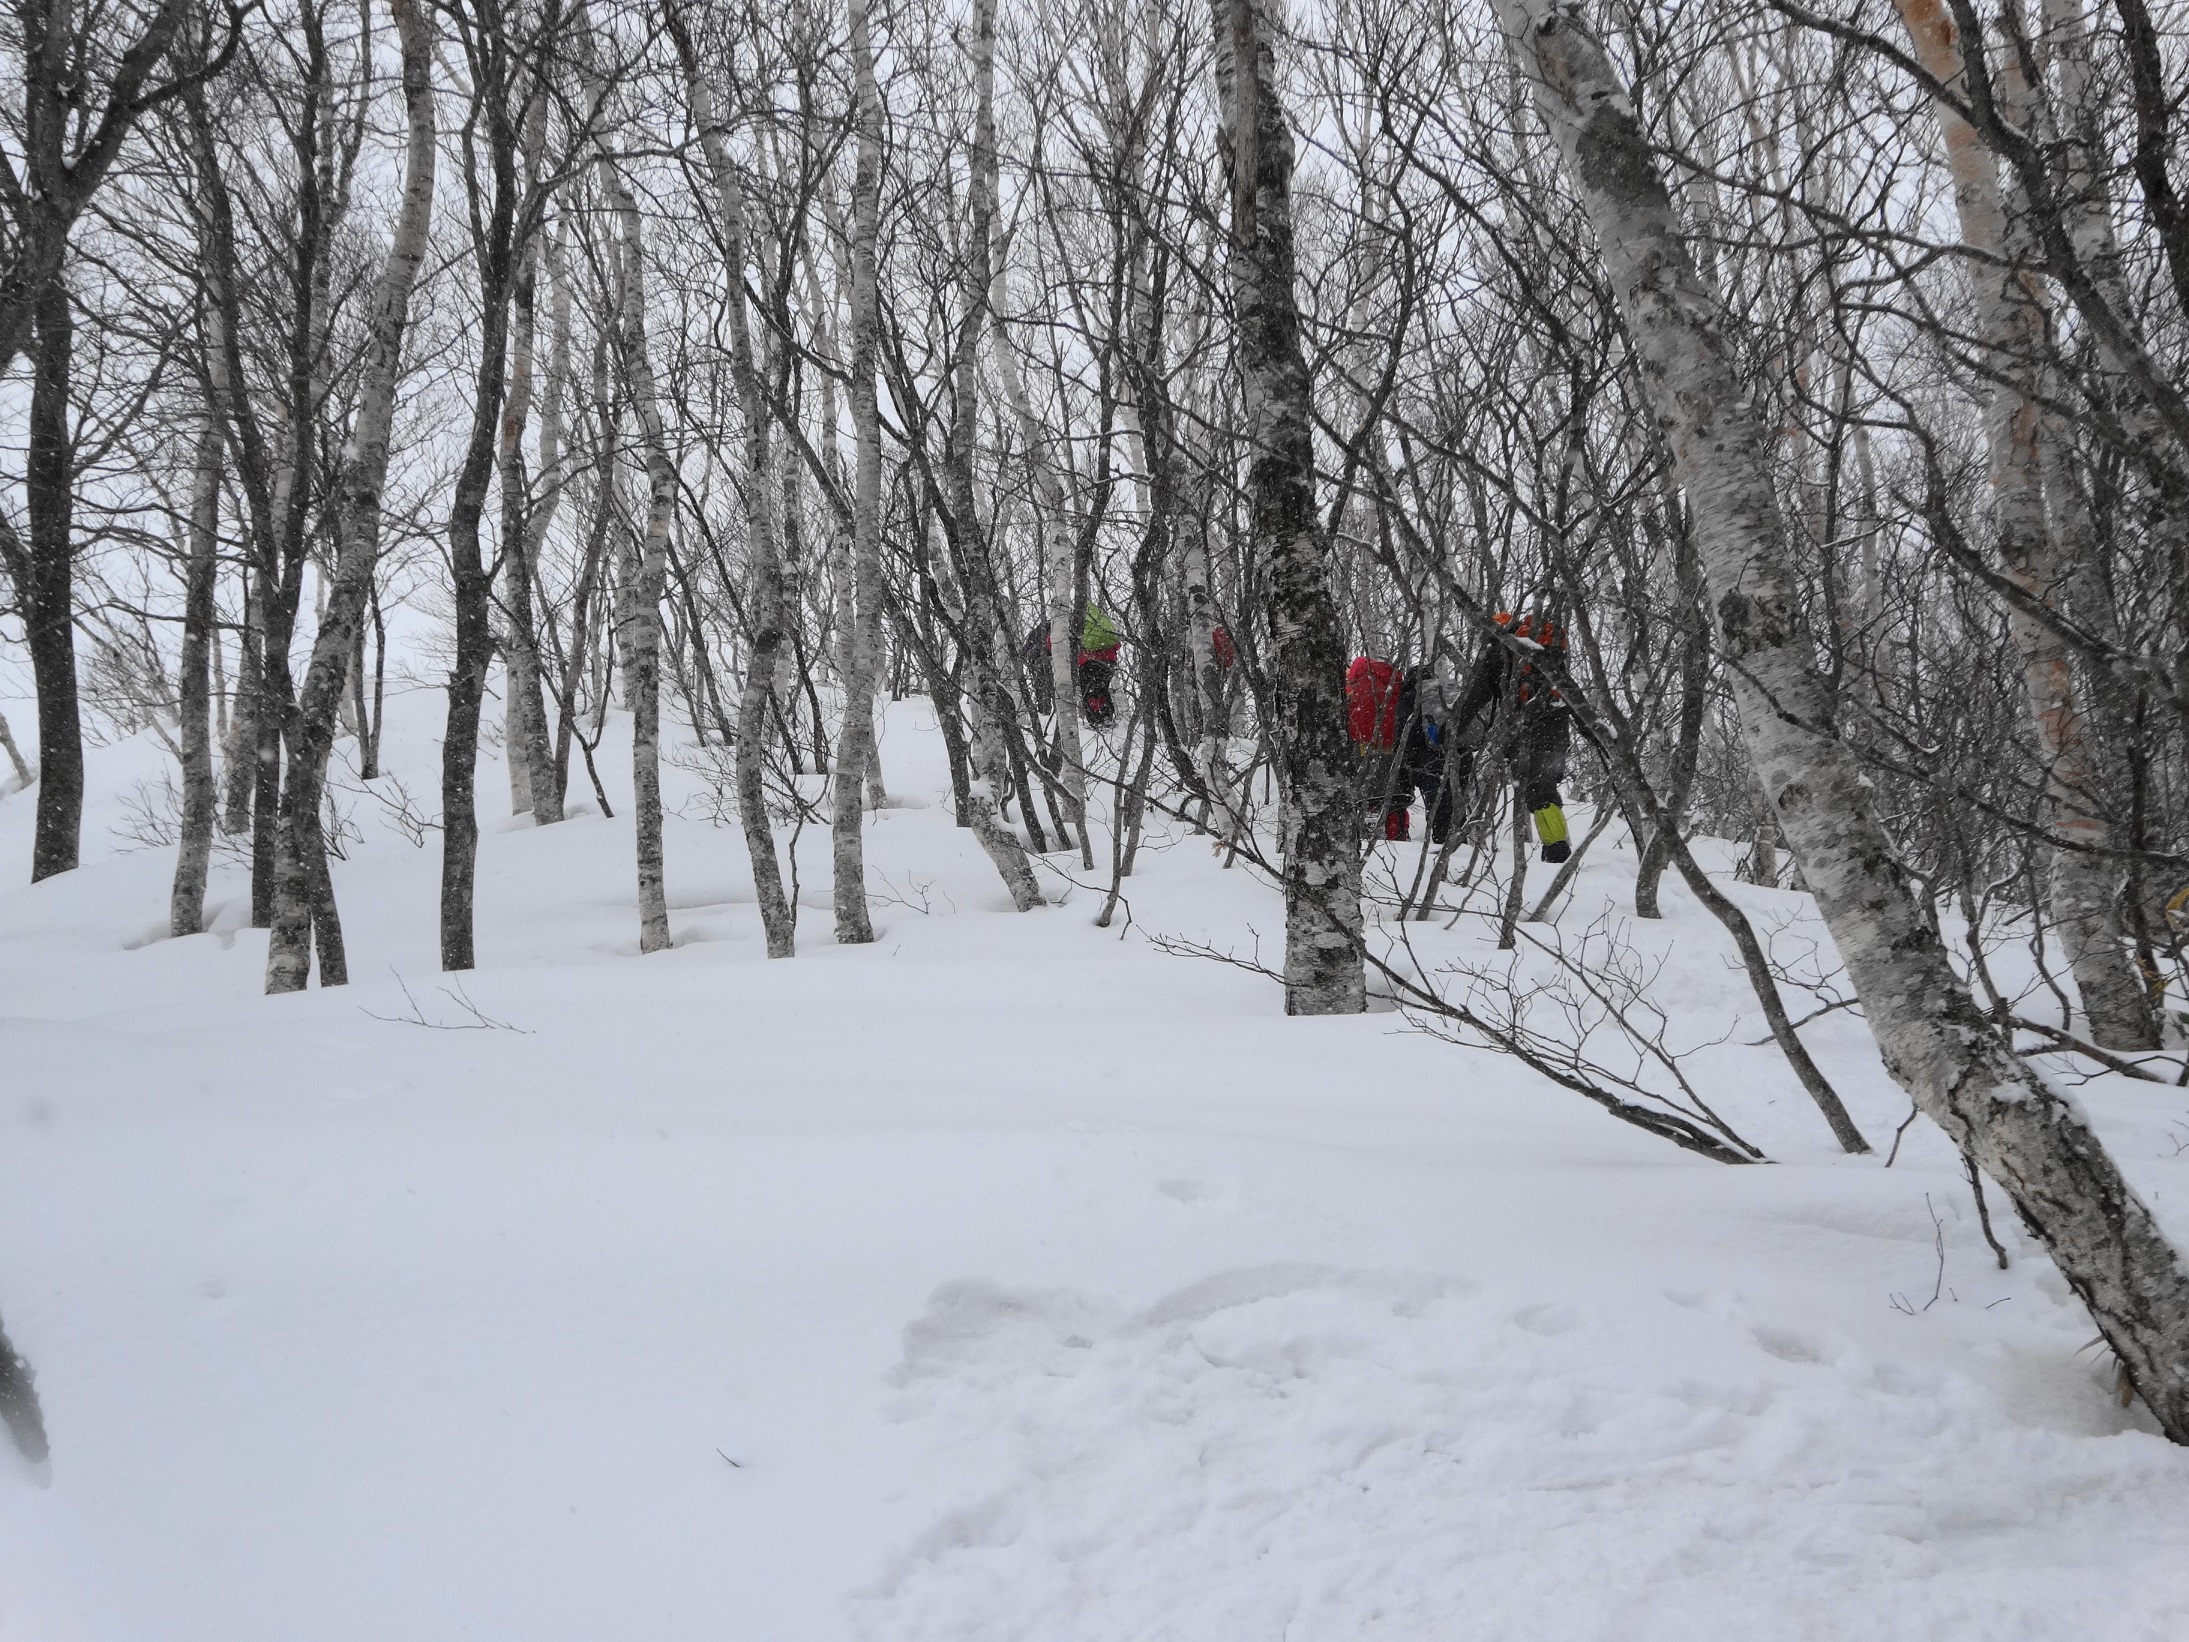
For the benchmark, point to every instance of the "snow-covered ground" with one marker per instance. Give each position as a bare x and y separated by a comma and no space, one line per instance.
1006,1279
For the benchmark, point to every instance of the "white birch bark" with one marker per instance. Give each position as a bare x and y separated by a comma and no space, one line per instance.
642,569
1324,973
990,774
856,745
520,690
2010,318
638,614
765,597
1937,1045
542,789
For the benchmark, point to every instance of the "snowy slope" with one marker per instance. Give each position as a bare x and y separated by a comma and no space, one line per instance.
1038,1284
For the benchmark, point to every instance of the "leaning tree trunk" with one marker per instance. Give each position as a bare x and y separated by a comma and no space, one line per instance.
862,643
1053,559
186,909
984,792
766,607
1937,1045
2012,326
303,894
1322,870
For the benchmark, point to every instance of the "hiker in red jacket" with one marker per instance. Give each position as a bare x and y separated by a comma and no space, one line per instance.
1372,691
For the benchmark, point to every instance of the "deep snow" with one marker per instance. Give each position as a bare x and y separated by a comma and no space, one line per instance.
1005,1279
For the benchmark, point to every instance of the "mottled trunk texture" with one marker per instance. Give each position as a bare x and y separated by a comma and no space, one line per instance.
48,598
526,520
1324,974
1936,1044
990,778
521,706
639,586
194,690
303,893
765,604
2010,320
862,640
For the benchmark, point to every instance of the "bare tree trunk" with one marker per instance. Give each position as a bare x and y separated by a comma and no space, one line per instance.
302,890
1322,869
186,912
1694,702
495,255
2009,318
1212,754
1053,558
240,755
766,608
862,644
520,677
526,518
990,776
48,593
1938,1046
638,616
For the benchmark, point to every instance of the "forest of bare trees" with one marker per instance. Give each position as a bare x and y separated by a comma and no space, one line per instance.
1822,368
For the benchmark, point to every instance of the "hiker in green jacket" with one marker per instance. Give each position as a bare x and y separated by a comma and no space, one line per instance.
1095,664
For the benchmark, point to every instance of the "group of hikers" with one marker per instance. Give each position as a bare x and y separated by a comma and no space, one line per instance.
1414,730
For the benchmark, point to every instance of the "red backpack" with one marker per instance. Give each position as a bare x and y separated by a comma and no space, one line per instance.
1372,704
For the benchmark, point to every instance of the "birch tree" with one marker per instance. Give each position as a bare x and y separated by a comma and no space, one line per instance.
855,747
1322,881
766,605
983,627
2029,1138
2011,322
